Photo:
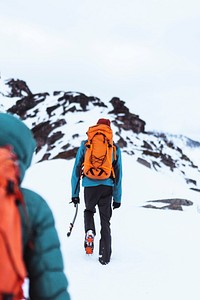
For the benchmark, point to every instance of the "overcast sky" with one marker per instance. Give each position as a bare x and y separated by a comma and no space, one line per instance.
146,52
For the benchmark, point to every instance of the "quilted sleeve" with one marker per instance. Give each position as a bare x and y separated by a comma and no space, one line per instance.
117,190
43,256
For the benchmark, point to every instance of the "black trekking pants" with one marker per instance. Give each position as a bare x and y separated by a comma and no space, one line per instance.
101,196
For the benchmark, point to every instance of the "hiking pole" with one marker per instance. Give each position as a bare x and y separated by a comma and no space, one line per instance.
72,223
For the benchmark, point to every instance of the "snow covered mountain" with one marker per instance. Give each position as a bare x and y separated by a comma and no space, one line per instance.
59,123
155,252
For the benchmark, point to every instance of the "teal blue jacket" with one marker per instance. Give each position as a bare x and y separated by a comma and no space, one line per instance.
42,254
87,182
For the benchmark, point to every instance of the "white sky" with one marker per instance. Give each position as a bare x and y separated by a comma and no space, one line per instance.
147,52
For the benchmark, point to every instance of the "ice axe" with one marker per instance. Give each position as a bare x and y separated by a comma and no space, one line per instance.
72,223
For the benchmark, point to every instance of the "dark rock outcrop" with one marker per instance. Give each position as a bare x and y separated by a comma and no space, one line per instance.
18,87
127,120
174,204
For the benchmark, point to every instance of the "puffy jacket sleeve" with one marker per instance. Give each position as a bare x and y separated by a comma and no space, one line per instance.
117,189
76,172
43,260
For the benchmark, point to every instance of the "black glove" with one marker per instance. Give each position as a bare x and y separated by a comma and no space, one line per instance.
116,204
75,200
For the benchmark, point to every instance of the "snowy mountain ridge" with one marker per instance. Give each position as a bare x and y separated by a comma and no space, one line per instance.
60,121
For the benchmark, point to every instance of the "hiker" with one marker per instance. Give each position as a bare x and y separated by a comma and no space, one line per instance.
99,190
41,247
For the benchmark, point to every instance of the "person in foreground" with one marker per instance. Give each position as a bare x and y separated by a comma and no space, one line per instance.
41,247
99,161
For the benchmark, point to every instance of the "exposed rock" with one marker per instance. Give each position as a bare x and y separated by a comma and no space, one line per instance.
128,121
42,131
18,87
170,206
83,100
67,154
121,143
156,165
80,99
53,138
51,109
174,204
144,162
147,145
189,180
151,153
119,106
23,105
168,161
196,190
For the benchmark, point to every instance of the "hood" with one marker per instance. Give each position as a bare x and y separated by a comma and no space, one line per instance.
15,133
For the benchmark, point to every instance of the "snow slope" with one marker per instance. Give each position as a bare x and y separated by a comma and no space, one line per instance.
155,252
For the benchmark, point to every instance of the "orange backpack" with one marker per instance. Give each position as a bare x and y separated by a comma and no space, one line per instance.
12,269
100,153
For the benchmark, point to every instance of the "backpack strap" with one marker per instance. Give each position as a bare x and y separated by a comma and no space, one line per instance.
114,161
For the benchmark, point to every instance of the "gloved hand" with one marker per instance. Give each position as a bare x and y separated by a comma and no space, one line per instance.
75,200
116,204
